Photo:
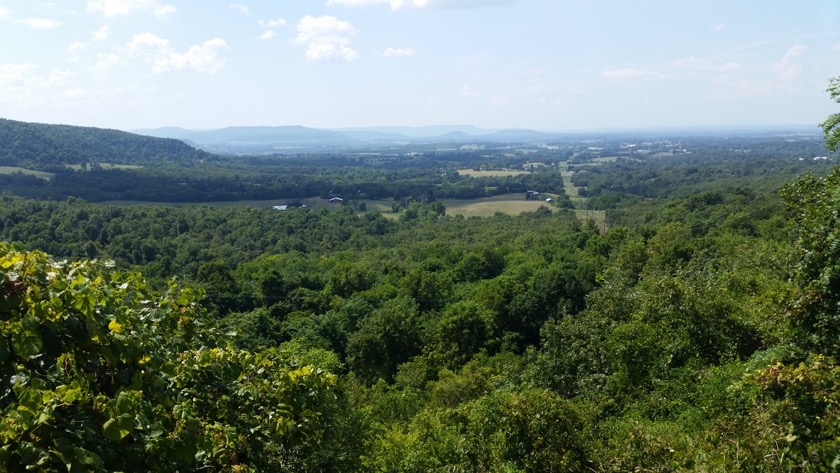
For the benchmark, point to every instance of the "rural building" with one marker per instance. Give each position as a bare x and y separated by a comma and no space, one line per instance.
336,200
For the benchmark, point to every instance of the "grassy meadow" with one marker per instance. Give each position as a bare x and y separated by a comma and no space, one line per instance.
14,169
495,173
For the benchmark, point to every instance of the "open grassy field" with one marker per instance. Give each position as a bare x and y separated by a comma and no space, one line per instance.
500,173
599,216
13,169
568,187
511,204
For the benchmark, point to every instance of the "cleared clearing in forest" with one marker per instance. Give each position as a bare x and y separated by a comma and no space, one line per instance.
14,170
497,173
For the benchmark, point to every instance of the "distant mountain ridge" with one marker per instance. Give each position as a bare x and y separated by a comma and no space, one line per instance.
267,138
428,131
250,135
39,145
278,137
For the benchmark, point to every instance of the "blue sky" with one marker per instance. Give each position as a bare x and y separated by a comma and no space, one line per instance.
552,65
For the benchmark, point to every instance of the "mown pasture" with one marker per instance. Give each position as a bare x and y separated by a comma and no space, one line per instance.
14,170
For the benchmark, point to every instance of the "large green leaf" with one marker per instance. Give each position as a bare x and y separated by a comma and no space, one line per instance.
27,342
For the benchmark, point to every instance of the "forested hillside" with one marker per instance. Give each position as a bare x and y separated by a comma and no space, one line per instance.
529,343
695,329
51,147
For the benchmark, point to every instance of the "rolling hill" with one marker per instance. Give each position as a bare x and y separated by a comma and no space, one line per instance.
38,145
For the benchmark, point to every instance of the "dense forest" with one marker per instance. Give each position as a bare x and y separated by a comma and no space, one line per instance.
52,147
698,331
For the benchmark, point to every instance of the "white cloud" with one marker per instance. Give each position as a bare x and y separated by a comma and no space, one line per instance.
4,13
326,38
205,58
99,35
785,73
325,52
126,7
787,70
323,28
395,4
240,7
468,3
270,24
273,23
718,27
147,40
21,84
76,48
398,52
105,61
58,78
631,73
398,4
40,23
707,65
11,73
96,36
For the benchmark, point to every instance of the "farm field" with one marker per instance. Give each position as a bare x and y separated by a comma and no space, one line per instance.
570,189
511,204
14,169
499,173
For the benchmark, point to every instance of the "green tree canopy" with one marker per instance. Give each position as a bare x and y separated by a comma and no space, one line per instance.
831,125
100,373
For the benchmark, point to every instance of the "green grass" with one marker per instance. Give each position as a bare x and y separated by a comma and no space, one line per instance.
511,204
578,202
599,216
568,187
39,174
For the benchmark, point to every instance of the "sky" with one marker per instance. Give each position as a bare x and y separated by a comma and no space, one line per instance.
549,65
